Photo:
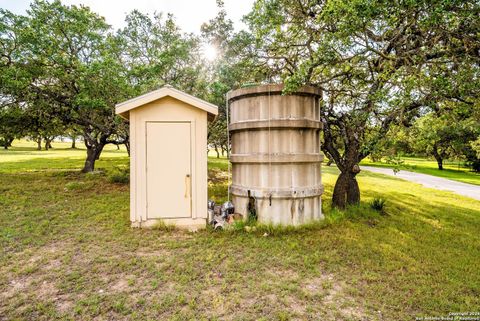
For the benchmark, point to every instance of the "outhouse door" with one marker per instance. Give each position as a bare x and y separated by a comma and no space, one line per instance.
169,181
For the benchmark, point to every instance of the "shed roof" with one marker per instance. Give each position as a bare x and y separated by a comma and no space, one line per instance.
123,109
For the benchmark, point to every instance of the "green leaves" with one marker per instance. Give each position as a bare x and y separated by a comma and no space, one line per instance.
379,63
67,68
445,134
156,52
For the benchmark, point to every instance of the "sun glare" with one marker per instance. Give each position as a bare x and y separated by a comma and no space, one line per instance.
210,52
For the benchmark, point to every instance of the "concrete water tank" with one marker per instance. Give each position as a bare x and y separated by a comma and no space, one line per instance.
276,158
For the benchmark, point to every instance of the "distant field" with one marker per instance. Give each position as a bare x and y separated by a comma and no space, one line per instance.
452,170
69,253
23,156
26,149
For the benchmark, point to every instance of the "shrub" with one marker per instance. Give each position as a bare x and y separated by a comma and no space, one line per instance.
473,164
119,176
378,204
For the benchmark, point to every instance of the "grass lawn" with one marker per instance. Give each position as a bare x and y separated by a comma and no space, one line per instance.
68,253
451,170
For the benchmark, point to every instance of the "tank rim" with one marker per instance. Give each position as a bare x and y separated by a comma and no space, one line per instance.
272,89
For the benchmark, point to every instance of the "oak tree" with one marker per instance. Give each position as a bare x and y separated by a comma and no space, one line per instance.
372,59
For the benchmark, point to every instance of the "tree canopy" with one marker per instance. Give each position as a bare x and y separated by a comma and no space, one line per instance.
378,63
65,66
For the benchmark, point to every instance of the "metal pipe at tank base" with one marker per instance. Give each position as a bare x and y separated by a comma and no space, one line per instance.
275,155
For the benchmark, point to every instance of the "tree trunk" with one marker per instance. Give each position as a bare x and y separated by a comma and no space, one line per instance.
94,149
97,155
346,191
73,142
47,143
39,143
339,197
216,150
438,157
93,154
353,192
127,146
440,163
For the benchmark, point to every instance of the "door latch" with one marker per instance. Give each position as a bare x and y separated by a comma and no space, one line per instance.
187,185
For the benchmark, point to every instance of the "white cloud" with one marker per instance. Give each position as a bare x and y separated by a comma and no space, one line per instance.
189,14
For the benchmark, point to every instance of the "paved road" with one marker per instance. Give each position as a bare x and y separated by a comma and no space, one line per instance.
430,181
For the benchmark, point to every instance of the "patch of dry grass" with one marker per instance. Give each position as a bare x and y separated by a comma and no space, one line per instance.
68,253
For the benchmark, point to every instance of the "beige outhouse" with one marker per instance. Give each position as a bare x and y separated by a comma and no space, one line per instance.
168,157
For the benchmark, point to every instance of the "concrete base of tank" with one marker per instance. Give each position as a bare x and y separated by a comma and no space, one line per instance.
292,207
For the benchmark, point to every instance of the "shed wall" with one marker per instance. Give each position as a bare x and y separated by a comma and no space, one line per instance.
168,109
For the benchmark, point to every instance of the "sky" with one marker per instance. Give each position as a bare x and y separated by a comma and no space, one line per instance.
189,14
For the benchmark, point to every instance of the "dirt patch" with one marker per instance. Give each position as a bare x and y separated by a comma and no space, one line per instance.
46,290
151,253
121,285
63,304
334,296
16,286
52,264
283,274
214,300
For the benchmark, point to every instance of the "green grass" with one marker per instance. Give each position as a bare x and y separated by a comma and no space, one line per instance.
23,157
68,253
452,170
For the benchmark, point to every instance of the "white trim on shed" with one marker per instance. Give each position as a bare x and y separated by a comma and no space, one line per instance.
123,108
